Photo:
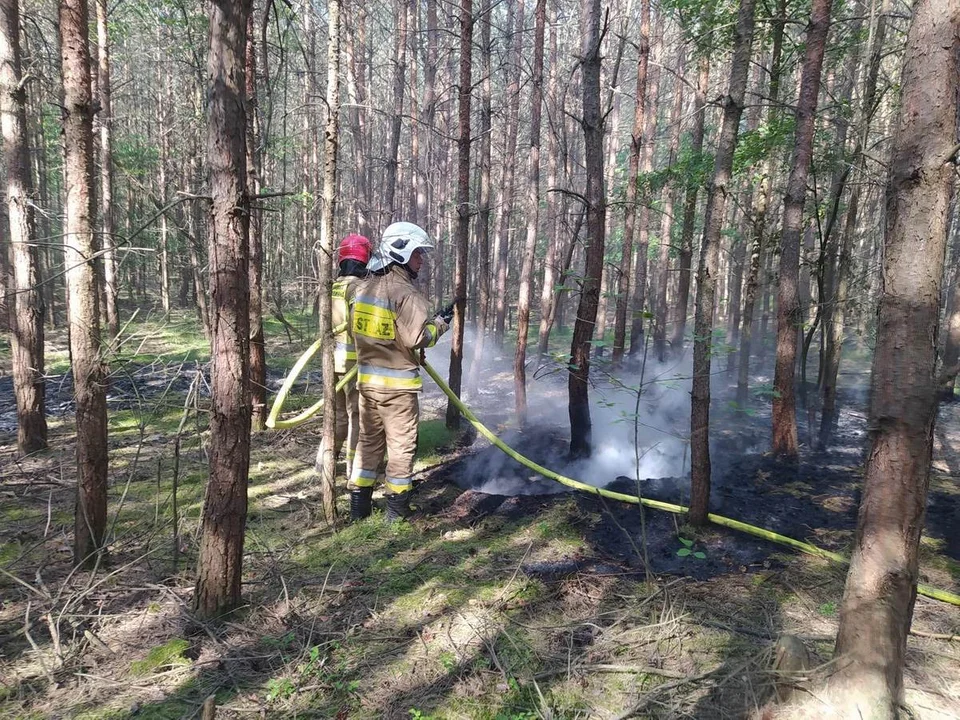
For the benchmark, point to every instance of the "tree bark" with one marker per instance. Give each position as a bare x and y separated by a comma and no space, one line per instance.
881,584
80,249
789,317
464,212
594,197
112,312
223,523
533,217
834,323
331,142
396,121
258,359
506,200
690,204
707,271
26,309
631,201
758,213
666,222
483,199
547,291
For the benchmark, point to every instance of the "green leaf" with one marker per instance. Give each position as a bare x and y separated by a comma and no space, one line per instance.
687,543
683,552
700,555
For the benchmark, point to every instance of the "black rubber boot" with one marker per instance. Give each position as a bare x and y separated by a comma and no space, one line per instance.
398,508
360,503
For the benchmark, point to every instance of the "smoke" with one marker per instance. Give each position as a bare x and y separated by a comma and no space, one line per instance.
633,437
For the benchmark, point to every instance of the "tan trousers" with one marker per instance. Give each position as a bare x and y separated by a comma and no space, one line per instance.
388,423
348,425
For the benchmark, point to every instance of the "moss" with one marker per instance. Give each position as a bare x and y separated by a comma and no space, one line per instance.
170,654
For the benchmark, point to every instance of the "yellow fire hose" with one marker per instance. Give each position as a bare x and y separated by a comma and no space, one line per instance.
274,422
925,590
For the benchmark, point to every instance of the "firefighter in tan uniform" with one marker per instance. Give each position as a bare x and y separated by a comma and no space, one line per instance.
391,323
353,254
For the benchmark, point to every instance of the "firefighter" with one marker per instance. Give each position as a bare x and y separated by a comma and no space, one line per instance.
353,254
391,323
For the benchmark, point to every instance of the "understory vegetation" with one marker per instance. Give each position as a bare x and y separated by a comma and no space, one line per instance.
512,609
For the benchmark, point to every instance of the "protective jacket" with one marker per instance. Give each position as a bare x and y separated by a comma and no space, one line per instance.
345,351
391,321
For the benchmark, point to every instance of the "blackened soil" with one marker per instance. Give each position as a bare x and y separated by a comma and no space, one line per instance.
814,500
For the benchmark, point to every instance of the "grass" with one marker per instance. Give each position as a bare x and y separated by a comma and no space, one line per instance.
443,618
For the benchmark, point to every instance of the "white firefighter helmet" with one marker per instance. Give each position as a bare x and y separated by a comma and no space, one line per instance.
398,244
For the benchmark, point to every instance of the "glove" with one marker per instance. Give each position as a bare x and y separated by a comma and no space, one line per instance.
441,323
447,313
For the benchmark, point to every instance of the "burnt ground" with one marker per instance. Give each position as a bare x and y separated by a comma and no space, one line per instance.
814,500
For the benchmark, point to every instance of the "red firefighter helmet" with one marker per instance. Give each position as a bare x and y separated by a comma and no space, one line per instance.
354,247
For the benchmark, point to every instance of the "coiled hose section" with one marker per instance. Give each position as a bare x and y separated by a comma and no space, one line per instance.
273,421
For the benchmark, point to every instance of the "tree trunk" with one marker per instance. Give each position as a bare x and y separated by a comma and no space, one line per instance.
258,360
707,271
533,218
789,318
881,585
83,296
506,200
463,209
594,196
396,122
638,299
331,141
666,222
26,310
106,178
631,200
834,324
225,506
547,291
483,199
690,204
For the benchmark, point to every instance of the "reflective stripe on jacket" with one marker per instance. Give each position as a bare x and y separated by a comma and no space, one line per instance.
345,351
391,321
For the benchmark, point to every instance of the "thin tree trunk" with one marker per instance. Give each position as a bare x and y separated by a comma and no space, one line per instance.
80,248
666,222
106,178
163,132
638,301
223,523
533,217
258,360
26,309
707,271
331,142
464,212
396,122
548,291
690,204
506,200
789,318
758,212
835,326
594,197
881,585
631,200
483,198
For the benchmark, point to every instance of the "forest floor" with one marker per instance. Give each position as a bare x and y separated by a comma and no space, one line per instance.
508,597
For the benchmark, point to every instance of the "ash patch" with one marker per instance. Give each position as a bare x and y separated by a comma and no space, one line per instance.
492,472
617,533
470,507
